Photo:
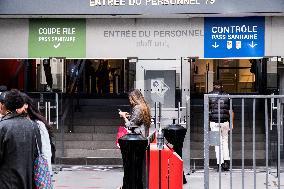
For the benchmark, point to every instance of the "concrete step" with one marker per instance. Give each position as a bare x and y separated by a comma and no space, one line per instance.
198,163
104,101
89,141
106,130
85,137
82,153
236,145
89,161
89,145
237,154
101,156
91,129
101,110
95,121
258,130
197,137
113,114
237,130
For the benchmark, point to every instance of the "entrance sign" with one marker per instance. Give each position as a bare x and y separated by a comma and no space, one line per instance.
57,38
147,38
234,37
15,37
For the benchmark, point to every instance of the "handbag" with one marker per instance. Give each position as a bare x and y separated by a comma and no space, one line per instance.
42,175
120,133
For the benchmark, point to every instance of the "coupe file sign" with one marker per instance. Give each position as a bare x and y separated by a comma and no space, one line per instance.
57,38
234,37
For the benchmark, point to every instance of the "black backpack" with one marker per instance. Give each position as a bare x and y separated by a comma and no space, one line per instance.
53,150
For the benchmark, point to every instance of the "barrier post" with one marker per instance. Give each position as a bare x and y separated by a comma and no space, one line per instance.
133,147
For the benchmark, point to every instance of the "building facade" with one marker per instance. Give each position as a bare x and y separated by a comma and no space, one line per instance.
171,50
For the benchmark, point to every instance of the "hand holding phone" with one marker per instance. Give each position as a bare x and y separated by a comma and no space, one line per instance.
123,114
120,113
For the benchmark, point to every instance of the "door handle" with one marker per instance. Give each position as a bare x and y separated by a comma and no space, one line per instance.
49,113
272,108
56,99
46,110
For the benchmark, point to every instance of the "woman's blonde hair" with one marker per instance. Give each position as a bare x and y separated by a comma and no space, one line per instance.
136,98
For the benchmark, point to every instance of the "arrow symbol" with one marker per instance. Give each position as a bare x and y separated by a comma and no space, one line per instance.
56,46
252,45
164,88
215,45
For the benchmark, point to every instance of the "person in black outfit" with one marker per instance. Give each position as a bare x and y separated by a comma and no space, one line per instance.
17,145
223,125
102,74
48,75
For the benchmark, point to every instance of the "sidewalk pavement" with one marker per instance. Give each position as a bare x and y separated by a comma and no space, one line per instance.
110,177
86,177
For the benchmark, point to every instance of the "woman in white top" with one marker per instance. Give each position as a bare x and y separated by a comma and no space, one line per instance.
46,147
44,128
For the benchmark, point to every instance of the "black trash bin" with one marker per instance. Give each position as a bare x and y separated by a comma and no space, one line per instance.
175,135
133,147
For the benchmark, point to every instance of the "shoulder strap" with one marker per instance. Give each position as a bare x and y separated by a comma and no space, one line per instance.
35,126
38,151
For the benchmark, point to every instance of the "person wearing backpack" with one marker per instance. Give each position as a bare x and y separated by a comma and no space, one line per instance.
220,122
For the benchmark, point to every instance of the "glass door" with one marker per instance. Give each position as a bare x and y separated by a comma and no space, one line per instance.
236,75
227,72
160,81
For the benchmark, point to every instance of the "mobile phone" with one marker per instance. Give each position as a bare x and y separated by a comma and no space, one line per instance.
119,110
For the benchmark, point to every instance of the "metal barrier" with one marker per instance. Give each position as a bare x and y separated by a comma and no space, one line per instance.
208,142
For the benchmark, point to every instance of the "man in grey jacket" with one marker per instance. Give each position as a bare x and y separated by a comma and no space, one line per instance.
17,145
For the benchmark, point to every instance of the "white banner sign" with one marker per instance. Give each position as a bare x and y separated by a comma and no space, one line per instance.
145,38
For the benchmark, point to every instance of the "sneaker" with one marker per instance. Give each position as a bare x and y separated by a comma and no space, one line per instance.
226,165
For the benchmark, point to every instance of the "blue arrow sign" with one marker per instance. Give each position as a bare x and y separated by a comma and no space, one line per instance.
234,37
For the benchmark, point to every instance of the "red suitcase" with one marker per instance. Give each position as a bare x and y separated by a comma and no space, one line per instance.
165,171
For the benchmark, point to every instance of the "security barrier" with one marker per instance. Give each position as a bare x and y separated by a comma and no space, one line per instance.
271,123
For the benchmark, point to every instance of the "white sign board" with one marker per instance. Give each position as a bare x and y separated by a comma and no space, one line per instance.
144,38
274,36
14,35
